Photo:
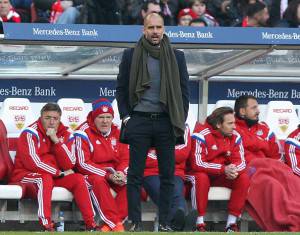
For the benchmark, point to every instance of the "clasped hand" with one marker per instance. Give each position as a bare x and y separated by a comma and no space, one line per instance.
231,171
118,178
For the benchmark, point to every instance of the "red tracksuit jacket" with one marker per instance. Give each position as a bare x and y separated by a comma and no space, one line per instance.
12,16
292,151
259,141
182,153
211,151
36,153
97,154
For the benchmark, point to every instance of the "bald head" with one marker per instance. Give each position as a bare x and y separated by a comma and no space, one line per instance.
154,28
153,15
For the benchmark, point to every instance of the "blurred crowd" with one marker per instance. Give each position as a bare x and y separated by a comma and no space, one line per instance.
203,13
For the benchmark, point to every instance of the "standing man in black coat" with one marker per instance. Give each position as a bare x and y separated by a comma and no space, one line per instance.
153,101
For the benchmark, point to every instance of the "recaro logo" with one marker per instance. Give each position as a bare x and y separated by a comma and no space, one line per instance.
72,109
18,108
282,110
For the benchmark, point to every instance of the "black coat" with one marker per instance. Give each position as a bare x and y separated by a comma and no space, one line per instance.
122,93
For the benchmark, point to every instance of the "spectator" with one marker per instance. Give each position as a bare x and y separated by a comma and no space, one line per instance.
199,7
45,158
226,12
257,15
152,95
217,159
139,8
104,161
148,7
43,10
258,140
23,8
103,12
185,16
43,4
151,183
133,11
291,17
199,22
65,11
169,11
127,11
7,12
276,10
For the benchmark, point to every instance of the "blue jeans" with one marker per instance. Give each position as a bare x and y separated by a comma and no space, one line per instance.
69,16
152,184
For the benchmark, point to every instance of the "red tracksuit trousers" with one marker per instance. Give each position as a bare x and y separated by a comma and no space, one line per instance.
239,189
111,209
75,183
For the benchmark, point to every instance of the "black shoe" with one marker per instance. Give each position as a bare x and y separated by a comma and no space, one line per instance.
178,221
190,221
135,227
164,228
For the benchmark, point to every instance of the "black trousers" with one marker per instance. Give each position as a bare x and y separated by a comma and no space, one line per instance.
143,132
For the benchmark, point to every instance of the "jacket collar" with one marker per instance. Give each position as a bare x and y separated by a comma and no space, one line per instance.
241,123
214,132
60,130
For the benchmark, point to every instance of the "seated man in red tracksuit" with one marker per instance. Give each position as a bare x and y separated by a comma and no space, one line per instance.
45,158
217,159
292,151
151,183
104,160
258,140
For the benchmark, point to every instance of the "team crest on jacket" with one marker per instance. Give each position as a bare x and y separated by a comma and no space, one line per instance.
113,142
259,133
98,142
214,147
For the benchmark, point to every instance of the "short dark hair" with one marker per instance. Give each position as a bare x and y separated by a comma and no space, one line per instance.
254,8
242,102
217,116
290,13
192,2
146,4
51,107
